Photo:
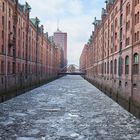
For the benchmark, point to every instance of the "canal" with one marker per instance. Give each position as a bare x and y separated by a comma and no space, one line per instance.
69,108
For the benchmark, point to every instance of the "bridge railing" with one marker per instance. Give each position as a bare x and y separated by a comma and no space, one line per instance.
71,73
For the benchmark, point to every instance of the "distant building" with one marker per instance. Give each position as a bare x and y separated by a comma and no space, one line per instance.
60,40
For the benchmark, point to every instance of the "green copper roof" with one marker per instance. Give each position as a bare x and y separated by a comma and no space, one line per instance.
33,20
29,8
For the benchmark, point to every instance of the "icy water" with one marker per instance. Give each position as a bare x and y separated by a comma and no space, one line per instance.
69,108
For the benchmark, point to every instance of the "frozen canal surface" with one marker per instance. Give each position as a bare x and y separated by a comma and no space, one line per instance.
66,109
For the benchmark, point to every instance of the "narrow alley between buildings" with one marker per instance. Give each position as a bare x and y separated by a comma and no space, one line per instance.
69,108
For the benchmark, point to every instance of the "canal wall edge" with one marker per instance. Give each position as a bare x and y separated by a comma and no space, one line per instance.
127,103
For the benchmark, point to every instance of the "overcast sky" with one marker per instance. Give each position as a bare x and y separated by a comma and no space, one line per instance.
75,18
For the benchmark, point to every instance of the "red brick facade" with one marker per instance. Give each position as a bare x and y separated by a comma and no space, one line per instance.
112,55
26,55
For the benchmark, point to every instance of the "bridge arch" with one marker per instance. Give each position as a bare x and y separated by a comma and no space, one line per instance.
71,69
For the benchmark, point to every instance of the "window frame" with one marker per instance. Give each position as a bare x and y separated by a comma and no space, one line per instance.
136,64
127,63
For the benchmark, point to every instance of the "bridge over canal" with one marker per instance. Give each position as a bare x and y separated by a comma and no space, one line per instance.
71,69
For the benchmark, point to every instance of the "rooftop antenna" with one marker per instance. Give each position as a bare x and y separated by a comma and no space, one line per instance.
57,24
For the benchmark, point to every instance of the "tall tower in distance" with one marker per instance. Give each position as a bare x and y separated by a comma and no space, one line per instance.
60,39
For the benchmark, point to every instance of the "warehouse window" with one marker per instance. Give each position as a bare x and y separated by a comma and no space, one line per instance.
111,67
108,68
127,65
9,12
9,67
105,68
18,67
136,18
9,26
136,37
121,19
2,34
127,25
120,68
2,48
115,66
128,8
3,7
116,22
136,64
2,20
2,67
121,34
14,68
127,42
136,2
116,35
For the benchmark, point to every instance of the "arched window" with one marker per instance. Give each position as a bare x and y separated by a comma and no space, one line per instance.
18,67
116,22
9,26
136,64
128,8
136,2
102,68
111,67
127,65
2,67
105,68
120,66
9,67
121,19
3,7
115,66
13,68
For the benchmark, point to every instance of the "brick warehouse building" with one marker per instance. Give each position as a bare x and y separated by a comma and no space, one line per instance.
27,57
111,57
